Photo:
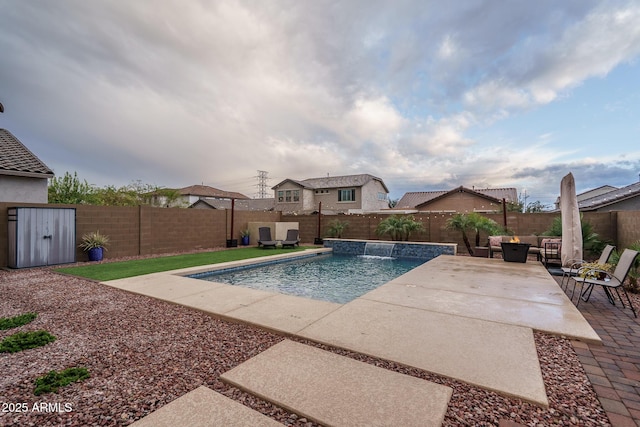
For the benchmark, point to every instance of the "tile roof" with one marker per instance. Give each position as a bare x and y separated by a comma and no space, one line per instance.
206,191
16,159
241,205
614,196
412,199
595,192
335,181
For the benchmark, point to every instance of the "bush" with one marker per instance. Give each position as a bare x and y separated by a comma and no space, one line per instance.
399,227
15,321
591,242
336,228
25,340
52,381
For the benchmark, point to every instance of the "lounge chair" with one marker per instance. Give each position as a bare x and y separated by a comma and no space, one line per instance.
292,239
265,238
613,280
576,264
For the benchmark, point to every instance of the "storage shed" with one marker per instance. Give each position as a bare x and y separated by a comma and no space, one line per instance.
41,236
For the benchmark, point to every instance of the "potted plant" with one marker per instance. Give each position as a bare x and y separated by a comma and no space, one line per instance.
594,270
245,235
95,244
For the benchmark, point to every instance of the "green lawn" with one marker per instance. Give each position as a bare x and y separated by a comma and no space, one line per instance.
119,270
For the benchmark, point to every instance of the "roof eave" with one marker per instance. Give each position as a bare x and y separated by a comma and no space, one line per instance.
27,174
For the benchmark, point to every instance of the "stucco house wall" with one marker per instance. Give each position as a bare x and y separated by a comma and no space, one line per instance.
286,195
23,176
23,189
374,196
339,194
310,200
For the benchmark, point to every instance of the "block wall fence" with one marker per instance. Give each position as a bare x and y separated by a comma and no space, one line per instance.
144,230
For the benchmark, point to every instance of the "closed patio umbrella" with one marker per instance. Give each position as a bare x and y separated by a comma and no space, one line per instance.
571,227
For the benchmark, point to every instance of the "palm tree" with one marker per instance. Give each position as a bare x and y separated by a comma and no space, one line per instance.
336,227
472,222
462,223
399,227
482,223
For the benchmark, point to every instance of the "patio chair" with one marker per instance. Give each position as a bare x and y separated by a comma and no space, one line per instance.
576,264
265,240
610,281
551,251
292,239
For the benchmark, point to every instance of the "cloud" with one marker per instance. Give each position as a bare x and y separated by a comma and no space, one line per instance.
543,69
177,93
438,138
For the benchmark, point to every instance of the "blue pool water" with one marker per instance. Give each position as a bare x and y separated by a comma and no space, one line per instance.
334,278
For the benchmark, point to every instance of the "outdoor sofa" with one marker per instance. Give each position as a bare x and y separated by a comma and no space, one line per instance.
537,244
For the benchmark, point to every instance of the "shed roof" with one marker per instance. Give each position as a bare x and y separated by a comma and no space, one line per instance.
16,159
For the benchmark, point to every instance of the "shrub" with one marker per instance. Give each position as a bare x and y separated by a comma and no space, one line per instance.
15,321
472,222
590,241
94,240
52,381
25,340
399,227
336,227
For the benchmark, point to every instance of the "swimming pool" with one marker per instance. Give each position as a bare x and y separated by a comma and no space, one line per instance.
328,277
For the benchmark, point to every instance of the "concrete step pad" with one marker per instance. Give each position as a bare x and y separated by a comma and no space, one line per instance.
205,407
336,390
490,355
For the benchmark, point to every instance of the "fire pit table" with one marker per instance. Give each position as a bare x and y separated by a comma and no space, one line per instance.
515,252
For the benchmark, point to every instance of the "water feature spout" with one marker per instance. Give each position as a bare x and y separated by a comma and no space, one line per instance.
379,249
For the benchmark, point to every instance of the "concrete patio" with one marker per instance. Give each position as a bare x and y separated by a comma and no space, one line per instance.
471,319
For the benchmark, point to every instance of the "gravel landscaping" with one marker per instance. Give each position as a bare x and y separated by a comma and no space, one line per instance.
142,354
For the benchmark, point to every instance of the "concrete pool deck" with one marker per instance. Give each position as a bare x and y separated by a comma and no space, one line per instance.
471,319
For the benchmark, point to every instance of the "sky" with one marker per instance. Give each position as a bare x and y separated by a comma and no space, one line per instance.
426,95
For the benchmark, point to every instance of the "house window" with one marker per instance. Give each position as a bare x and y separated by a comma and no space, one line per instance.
382,196
288,196
347,195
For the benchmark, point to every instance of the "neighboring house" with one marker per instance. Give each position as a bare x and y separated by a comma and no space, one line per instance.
23,176
460,199
589,194
619,199
240,204
338,194
189,195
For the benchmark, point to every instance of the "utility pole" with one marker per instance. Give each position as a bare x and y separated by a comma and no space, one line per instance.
262,184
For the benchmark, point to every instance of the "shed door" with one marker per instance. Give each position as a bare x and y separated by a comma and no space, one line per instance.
44,236
60,227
